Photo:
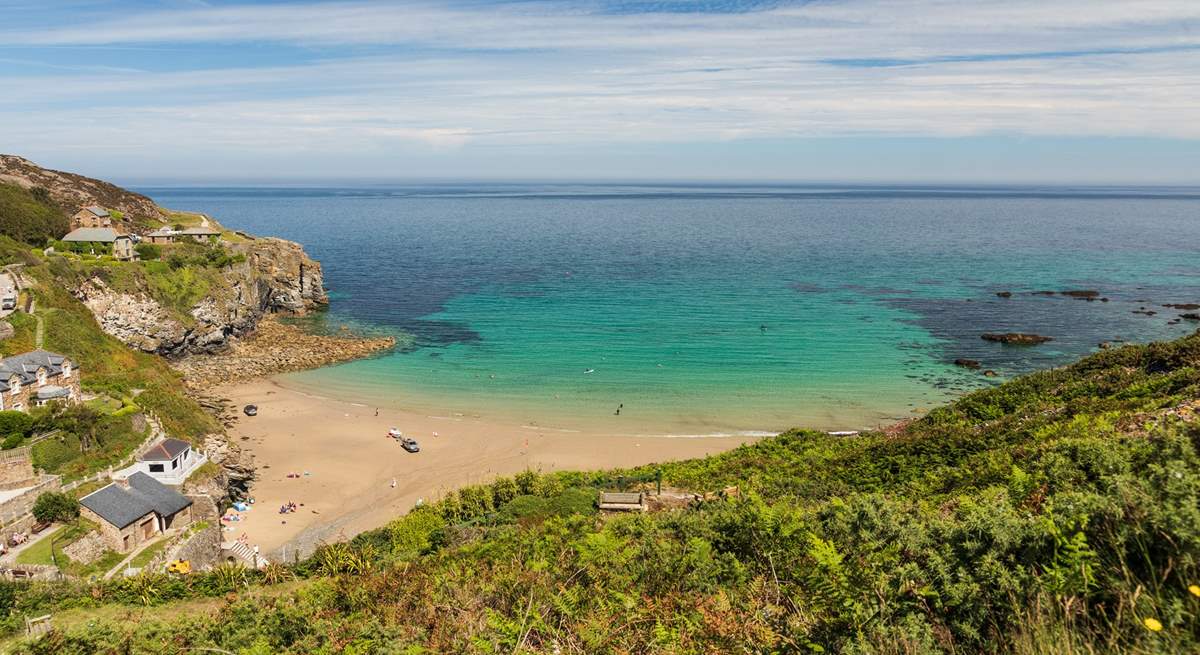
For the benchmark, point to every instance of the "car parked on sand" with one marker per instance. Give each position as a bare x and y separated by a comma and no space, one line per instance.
410,444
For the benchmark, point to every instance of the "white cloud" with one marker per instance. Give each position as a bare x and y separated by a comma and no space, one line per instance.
464,75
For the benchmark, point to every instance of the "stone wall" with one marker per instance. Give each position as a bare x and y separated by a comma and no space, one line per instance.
20,505
88,549
16,469
204,508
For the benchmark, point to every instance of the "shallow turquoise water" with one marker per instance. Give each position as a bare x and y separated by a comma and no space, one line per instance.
718,310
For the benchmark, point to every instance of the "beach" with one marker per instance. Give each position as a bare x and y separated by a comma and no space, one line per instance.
346,465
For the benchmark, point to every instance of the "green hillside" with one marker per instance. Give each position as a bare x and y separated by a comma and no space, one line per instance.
30,216
1059,512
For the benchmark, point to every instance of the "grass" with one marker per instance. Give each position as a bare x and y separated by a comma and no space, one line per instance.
147,554
40,553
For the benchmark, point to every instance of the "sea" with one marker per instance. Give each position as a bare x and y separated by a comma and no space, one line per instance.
707,309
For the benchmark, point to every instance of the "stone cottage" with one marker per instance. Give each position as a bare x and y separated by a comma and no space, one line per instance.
135,510
162,235
35,378
102,239
92,216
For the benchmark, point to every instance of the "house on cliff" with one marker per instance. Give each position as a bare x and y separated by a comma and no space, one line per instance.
101,240
134,510
170,461
92,216
35,378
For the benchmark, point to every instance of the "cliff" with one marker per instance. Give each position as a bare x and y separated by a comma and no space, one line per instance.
196,308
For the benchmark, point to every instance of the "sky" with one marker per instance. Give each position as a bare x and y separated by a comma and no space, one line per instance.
928,91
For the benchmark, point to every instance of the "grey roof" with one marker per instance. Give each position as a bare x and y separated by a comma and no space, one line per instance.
163,232
97,211
164,451
25,366
122,506
96,234
51,392
201,231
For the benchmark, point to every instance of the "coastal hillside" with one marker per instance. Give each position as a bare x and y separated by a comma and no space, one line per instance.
1057,512
70,191
190,287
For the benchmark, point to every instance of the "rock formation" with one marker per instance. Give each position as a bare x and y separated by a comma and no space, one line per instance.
1015,338
277,276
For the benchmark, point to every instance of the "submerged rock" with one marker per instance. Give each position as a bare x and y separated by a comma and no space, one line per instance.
990,373
967,363
1192,316
1004,294
1015,338
1182,305
1081,293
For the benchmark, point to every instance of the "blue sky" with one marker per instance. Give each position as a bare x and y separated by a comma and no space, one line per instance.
1065,91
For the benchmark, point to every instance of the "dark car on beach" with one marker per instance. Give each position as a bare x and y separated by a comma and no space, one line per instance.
250,410
410,445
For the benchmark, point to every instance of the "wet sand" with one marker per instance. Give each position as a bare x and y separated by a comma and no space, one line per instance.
347,464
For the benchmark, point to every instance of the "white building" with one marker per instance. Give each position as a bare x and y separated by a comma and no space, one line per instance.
169,461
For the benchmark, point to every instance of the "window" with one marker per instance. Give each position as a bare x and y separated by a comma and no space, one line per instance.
174,463
156,468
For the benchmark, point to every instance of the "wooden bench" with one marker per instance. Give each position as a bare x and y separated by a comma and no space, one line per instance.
622,502
38,527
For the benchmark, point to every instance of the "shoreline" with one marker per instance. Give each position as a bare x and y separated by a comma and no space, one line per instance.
274,347
346,465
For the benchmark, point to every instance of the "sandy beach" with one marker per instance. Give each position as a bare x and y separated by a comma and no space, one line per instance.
346,463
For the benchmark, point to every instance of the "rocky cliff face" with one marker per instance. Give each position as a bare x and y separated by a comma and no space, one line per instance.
277,276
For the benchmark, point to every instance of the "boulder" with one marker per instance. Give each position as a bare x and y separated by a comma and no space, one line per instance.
1191,316
990,373
1184,306
1015,338
1081,293
967,363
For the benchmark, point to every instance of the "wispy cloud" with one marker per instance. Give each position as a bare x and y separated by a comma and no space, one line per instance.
450,74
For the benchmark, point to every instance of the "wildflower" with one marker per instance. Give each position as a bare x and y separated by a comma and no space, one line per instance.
1195,589
1153,625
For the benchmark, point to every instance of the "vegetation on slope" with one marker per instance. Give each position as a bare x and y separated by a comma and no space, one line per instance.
108,366
1059,512
29,215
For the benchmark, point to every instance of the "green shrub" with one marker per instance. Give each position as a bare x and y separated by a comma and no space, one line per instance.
13,422
54,506
12,441
148,251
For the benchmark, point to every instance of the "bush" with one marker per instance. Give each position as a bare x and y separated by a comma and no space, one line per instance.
12,422
148,251
12,441
54,506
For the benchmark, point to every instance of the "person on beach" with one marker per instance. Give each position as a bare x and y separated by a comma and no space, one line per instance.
393,483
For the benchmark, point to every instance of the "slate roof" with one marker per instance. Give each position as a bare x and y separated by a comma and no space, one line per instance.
51,392
121,507
164,451
25,366
163,232
97,211
94,234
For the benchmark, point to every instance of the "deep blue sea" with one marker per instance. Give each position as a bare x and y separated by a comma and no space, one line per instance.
704,309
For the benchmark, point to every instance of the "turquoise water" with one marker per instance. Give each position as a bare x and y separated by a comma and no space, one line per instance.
705,310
